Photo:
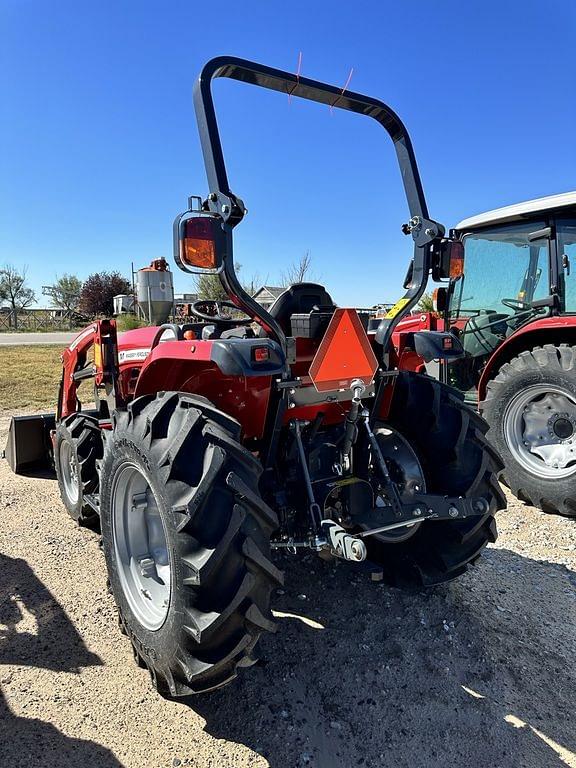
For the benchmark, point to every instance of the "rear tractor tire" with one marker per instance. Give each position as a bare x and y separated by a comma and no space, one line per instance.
77,448
531,409
447,438
186,537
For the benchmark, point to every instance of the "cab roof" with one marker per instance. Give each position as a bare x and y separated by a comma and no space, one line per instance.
518,211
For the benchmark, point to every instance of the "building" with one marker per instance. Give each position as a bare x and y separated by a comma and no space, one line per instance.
266,295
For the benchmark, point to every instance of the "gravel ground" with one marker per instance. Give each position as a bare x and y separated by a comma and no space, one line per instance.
481,672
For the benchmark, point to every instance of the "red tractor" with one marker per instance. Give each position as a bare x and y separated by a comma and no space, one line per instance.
215,443
511,301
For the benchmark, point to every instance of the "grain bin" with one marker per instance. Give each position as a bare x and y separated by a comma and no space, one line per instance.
155,292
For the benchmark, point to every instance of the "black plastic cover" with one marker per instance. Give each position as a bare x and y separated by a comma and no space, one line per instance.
437,345
235,357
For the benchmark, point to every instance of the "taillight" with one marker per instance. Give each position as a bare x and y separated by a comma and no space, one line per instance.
260,354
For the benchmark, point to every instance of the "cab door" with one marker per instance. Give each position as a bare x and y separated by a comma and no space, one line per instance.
566,240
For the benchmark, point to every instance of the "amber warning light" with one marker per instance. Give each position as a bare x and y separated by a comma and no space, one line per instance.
344,354
198,247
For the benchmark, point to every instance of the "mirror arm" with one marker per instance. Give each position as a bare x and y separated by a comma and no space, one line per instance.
243,300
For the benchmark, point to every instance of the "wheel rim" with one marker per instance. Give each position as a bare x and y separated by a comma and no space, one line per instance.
540,430
69,471
140,546
398,453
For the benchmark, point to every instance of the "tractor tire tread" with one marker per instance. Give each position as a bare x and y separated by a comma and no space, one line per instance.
560,360
221,532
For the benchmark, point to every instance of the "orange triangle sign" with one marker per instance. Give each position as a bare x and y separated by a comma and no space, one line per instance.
344,354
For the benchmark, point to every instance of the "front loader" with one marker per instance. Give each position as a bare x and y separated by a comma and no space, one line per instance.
214,444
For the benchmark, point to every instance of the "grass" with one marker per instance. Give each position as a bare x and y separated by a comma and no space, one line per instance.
29,377
128,323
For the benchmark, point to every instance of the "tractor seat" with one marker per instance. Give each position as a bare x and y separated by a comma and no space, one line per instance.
300,298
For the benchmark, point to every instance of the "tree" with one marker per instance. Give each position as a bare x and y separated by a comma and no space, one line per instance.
208,286
13,287
14,291
65,293
426,303
98,291
298,271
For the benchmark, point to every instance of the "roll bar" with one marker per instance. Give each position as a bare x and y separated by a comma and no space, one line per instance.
222,200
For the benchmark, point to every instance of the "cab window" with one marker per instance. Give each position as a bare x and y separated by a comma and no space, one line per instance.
503,270
566,230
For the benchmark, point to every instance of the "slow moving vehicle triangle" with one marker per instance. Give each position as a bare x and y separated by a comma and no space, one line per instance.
344,354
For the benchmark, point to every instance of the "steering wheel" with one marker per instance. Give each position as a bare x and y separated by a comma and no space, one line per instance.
215,316
516,304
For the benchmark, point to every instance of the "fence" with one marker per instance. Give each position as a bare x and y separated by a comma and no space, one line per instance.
39,320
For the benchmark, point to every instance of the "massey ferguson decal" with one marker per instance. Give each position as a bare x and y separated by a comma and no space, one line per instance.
129,355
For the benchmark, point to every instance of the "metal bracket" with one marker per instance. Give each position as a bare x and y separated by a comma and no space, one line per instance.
229,207
423,230
343,544
430,507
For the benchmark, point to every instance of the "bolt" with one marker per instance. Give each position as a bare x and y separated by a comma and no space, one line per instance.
225,209
417,512
481,505
453,512
147,567
292,405
430,232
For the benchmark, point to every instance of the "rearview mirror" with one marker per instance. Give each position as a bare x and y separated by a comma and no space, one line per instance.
199,242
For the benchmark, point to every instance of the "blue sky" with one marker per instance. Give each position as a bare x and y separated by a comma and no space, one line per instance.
99,149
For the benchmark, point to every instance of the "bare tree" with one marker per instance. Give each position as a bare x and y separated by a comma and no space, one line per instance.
14,291
298,271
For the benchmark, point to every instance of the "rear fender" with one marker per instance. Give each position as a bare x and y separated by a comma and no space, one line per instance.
223,371
548,330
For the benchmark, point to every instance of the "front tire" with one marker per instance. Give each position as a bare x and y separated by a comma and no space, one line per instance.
187,541
77,448
448,438
531,409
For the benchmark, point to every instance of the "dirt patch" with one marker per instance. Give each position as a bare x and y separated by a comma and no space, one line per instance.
481,672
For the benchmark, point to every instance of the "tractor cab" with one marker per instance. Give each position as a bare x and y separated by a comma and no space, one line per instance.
514,271
511,300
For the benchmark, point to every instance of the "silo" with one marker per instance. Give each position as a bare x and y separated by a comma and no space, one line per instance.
155,292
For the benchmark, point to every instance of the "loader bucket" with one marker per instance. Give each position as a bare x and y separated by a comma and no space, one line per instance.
29,447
